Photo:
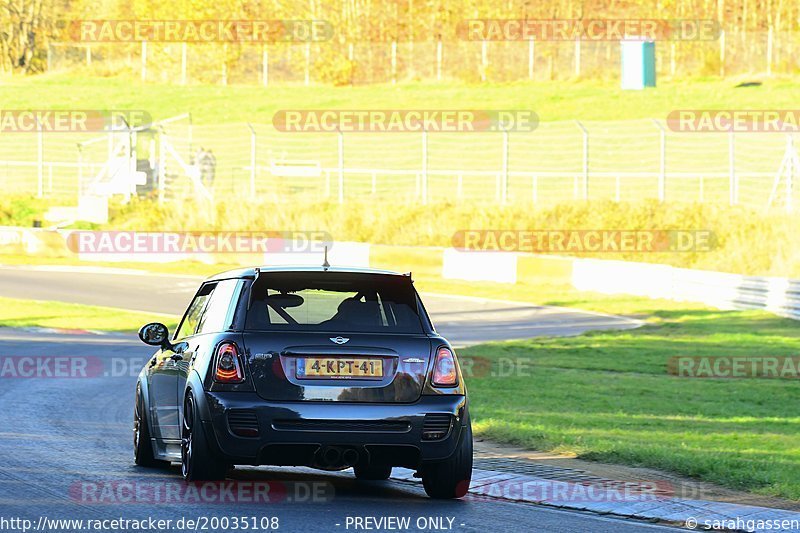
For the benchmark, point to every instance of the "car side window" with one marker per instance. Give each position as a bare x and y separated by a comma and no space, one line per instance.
219,309
193,315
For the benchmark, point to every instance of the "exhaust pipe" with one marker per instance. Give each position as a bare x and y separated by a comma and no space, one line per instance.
331,456
349,457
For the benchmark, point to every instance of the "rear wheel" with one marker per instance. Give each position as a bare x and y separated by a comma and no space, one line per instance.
198,462
142,445
372,472
450,478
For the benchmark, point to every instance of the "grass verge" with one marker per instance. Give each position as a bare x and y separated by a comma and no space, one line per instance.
607,396
17,313
212,104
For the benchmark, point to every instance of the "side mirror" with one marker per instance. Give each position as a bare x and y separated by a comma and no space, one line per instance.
155,334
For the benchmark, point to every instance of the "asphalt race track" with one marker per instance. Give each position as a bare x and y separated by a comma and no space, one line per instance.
463,320
66,442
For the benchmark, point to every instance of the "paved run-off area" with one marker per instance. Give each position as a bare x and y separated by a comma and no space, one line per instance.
66,453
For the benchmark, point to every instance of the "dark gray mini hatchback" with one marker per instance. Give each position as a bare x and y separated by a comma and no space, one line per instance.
325,367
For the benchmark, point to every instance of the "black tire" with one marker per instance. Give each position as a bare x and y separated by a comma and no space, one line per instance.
198,462
372,472
142,446
450,478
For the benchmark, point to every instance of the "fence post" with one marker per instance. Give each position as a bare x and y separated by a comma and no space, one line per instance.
504,183
132,158
307,74
144,61
190,132
183,63
49,57
80,170
662,171
252,161
225,64
40,160
439,60
733,183
264,65
769,51
484,60
792,159
394,62
531,58
162,163
110,144
672,59
585,161
341,165
152,158
424,166
722,53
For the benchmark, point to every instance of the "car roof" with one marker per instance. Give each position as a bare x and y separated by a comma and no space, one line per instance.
250,272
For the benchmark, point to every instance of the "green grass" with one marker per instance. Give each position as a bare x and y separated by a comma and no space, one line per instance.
184,268
17,313
210,104
607,397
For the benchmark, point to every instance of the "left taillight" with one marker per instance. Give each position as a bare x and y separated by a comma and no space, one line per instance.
227,366
444,369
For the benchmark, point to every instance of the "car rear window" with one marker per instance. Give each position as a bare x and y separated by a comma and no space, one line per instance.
334,302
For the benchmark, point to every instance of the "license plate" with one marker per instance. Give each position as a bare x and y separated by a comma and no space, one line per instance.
339,367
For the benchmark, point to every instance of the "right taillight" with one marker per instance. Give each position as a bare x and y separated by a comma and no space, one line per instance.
228,368
444,369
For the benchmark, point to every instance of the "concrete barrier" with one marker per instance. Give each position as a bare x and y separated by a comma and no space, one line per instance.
722,290
64,243
352,254
499,267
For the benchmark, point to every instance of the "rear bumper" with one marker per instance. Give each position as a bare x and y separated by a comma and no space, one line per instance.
292,433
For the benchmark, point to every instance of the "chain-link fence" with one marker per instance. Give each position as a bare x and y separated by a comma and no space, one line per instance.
734,53
558,162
